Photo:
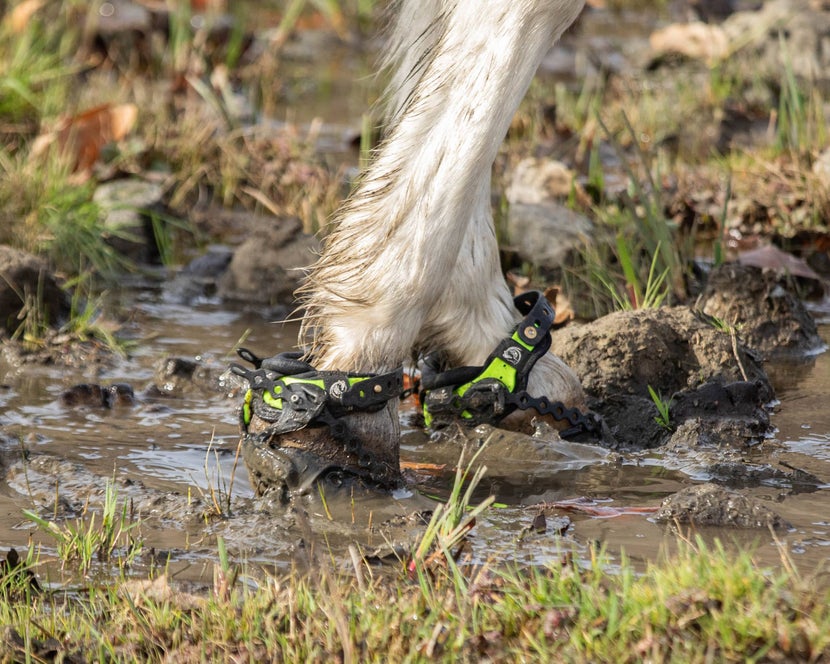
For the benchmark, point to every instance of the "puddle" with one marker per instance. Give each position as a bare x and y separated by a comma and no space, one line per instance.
186,446
183,446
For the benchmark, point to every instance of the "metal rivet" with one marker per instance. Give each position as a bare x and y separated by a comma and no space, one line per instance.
378,389
530,332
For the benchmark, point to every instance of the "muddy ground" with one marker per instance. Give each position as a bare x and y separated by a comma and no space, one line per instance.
737,337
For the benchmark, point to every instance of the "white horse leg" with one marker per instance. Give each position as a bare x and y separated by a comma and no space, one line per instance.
475,309
415,242
412,262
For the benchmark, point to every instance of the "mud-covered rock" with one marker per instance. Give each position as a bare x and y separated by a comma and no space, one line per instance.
98,396
175,376
712,505
268,267
699,371
669,349
717,400
716,415
198,279
26,280
631,422
741,474
762,307
718,433
547,234
542,229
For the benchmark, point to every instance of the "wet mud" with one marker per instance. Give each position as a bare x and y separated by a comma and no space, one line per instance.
162,425
745,445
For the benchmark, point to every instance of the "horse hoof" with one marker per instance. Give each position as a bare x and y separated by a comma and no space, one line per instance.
290,464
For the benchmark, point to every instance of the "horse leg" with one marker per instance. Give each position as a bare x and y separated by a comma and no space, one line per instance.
412,261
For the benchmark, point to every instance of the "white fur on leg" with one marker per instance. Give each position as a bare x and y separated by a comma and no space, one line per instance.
413,261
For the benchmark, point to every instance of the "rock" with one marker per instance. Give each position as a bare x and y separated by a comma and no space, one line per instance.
24,279
175,376
120,16
199,278
763,309
539,181
696,40
268,267
127,205
547,234
542,230
711,505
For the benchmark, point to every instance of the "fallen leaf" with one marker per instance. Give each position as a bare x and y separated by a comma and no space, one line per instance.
771,257
563,313
83,136
208,5
435,468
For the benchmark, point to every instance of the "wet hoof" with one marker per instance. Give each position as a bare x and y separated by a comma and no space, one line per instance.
299,424
291,463
518,381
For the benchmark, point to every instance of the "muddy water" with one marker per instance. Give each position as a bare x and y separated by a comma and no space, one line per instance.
167,453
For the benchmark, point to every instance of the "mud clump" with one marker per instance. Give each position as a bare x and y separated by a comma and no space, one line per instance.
669,349
711,505
699,371
762,307
268,267
98,396
176,376
718,434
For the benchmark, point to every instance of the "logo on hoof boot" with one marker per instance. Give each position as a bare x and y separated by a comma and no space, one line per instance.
338,388
512,355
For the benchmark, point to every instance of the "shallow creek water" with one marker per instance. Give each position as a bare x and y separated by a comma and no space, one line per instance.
184,445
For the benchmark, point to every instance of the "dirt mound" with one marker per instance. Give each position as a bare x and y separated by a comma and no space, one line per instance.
763,309
711,505
669,349
696,369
